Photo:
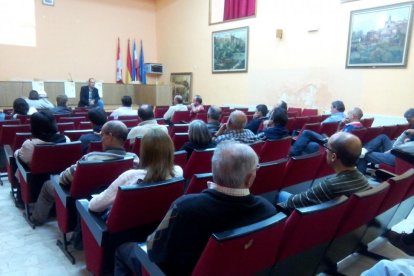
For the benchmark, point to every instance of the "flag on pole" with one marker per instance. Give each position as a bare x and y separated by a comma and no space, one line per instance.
135,72
129,65
142,73
118,65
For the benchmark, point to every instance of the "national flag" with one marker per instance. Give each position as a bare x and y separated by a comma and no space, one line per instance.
135,72
129,65
118,65
142,73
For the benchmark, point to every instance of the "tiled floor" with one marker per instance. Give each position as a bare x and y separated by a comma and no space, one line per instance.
24,251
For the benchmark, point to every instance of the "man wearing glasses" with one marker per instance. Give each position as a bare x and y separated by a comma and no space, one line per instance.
343,150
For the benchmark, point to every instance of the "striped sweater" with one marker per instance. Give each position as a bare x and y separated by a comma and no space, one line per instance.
343,183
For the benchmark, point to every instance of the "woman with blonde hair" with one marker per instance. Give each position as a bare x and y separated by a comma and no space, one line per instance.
156,164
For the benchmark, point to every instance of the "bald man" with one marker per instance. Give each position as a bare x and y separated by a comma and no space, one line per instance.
234,129
342,152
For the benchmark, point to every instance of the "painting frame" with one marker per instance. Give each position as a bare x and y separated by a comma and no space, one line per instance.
182,84
376,39
230,50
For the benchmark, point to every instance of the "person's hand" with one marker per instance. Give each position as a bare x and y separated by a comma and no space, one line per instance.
221,130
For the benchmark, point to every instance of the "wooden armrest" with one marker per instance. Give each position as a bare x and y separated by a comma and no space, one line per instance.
95,223
147,264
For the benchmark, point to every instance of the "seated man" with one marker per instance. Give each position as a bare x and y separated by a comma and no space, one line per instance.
234,129
378,150
89,95
343,150
125,109
97,116
146,114
61,106
213,119
196,106
276,128
337,112
114,134
179,240
306,144
178,106
258,117
38,102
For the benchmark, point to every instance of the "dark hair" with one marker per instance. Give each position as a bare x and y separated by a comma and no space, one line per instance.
33,95
279,116
43,125
97,116
338,105
198,99
283,105
61,100
20,106
146,112
262,109
126,101
214,112
409,113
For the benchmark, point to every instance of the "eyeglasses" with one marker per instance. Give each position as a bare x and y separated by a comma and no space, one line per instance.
328,148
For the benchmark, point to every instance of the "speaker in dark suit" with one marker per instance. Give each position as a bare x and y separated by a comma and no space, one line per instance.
84,99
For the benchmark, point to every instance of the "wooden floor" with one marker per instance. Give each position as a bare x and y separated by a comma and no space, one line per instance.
24,251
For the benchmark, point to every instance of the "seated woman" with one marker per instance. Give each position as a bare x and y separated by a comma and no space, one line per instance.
276,128
44,130
199,136
21,107
156,164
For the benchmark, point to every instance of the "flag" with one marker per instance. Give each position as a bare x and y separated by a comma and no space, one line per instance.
135,72
129,65
118,65
142,73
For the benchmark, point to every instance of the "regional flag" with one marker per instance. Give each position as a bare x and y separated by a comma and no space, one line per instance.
129,65
135,73
118,65
142,73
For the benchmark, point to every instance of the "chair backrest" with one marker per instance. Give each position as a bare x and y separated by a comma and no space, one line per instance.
74,135
275,149
309,112
329,128
90,175
24,119
360,133
390,131
299,122
65,126
199,162
201,116
367,122
144,203
257,147
19,139
198,183
373,132
10,122
290,124
130,123
180,117
324,168
315,119
160,110
76,120
180,158
269,177
136,146
179,139
128,117
95,146
301,168
8,132
242,251
400,129
181,128
295,111
85,125
316,127
54,158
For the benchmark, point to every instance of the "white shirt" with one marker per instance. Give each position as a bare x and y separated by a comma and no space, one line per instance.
123,111
142,128
174,108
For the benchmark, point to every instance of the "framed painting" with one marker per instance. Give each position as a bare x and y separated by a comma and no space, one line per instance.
379,37
230,50
182,84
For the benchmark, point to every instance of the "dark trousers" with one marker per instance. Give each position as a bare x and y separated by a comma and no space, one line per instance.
126,260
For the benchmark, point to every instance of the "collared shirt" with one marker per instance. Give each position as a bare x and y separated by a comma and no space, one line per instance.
142,128
174,108
335,117
244,136
227,190
123,111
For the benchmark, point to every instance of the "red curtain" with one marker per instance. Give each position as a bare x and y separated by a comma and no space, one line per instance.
238,8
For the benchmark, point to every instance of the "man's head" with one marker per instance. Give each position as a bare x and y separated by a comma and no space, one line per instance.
97,116
282,104
197,100
61,100
237,120
337,106
213,114
409,116
343,151
146,112
34,95
279,116
234,165
91,82
178,99
114,133
126,101
354,115
261,111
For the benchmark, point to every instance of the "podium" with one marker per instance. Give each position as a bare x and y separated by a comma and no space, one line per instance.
152,94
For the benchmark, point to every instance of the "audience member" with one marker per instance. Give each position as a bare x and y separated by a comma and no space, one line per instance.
196,106
199,138
114,134
397,267
342,152
125,109
156,164
276,128
178,106
378,150
38,102
146,114
21,107
403,241
234,129
213,119
337,112
89,95
61,106
306,142
258,117
97,116
179,240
